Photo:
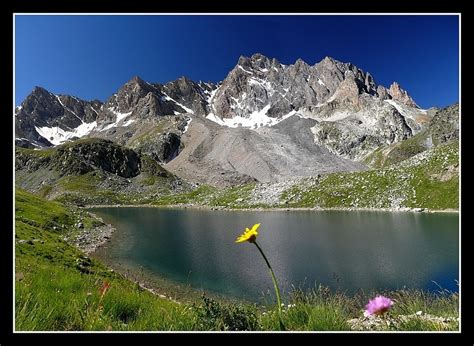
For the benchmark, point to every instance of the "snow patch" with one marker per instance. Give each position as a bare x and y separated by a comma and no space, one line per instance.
264,69
57,135
26,139
128,122
118,118
405,110
321,82
244,69
151,85
255,120
166,97
238,103
187,125
210,98
262,83
275,68
216,119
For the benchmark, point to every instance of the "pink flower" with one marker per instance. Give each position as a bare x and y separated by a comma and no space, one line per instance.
378,306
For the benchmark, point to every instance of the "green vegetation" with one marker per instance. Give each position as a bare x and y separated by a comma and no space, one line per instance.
198,195
86,183
398,152
164,124
430,181
42,153
59,288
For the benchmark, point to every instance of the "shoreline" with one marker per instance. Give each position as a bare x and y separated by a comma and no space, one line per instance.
219,208
94,238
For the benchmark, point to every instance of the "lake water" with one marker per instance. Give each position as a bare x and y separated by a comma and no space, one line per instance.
348,250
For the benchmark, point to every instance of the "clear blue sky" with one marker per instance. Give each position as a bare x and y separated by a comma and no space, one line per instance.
92,56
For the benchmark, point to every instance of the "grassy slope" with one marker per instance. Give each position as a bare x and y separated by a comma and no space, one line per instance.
58,288
398,152
422,181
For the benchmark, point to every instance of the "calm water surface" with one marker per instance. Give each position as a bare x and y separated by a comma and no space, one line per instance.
343,250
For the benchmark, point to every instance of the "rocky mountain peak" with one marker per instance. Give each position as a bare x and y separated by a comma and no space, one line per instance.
244,61
40,91
43,115
136,79
128,96
300,62
397,93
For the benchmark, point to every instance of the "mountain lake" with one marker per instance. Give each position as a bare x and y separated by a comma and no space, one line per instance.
344,250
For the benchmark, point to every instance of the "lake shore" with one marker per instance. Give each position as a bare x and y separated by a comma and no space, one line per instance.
205,207
93,238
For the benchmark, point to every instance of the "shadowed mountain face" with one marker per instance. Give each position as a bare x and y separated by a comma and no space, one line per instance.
265,121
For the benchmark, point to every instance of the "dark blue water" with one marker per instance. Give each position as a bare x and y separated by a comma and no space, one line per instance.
343,250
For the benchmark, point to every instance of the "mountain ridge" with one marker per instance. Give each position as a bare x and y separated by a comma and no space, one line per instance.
160,99
272,121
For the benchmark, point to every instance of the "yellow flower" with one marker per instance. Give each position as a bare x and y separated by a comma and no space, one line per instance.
249,235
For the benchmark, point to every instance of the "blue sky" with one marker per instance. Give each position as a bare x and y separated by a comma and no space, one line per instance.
92,56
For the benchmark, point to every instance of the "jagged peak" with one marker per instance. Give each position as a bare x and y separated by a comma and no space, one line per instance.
243,60
331,60
38,88
257,60
41,91
184,79
258,56
136,80
399,94
300,62
395,84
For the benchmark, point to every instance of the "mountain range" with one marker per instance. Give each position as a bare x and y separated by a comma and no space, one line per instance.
264,122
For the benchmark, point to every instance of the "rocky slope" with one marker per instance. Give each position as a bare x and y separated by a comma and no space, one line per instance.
230,156
443,128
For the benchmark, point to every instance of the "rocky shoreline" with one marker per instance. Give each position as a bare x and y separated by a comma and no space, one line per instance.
90,239
205,207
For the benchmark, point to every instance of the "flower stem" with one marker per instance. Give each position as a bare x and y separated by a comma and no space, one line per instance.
275,285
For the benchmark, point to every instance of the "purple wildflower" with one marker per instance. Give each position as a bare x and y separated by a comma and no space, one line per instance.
378,306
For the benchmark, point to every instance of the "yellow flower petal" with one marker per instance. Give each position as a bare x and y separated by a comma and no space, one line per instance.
249,235
255,227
